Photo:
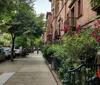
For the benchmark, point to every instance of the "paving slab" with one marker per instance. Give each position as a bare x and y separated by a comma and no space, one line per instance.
29,70
5,76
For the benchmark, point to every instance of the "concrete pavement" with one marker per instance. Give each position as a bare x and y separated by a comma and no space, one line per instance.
31,70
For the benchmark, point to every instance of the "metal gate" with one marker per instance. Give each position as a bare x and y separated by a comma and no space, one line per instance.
85,74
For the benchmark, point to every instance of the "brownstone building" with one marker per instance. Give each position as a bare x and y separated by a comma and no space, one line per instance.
47,36
71,13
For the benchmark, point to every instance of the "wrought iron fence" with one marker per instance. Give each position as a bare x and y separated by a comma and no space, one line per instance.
55,63
86,74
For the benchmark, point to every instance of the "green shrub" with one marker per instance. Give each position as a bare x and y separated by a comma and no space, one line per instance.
81,45
60,52
1,42
51,50
44,50
83,48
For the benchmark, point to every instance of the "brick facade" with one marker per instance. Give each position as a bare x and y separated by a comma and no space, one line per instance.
72,12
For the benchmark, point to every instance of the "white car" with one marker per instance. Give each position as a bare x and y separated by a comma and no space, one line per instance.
17,52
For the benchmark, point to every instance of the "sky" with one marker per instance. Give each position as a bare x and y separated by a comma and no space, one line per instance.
42,6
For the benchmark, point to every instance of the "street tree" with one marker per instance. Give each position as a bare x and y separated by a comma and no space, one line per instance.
18,25
36,29
15,31
9,8
20,20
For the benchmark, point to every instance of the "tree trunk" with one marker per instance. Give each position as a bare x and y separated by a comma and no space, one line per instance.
31,46
12,49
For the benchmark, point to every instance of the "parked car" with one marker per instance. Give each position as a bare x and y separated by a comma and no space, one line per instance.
17,52
2,56
24,52
7,52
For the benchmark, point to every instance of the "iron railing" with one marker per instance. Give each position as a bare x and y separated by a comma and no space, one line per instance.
55,63
86,74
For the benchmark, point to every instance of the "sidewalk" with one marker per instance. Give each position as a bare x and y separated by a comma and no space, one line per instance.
31,70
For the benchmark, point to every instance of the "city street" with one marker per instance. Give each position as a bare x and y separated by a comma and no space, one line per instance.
30,70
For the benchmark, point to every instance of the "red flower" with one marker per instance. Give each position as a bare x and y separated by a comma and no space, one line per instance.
72,38
99,73
95,24
94,34
78,28
69,31
98,39
65,28
98,21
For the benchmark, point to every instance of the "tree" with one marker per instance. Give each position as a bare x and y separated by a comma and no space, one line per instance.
23,41
36,28
14,30
20,20
9,8
15,17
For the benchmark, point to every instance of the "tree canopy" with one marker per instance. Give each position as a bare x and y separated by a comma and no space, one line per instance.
19,18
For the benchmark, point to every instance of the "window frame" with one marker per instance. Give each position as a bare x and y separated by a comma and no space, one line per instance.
80,8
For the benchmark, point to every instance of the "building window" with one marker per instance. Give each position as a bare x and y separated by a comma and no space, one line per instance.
72,12
80,8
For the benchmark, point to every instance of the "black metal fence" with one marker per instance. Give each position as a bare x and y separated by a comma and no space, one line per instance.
86,74
55,63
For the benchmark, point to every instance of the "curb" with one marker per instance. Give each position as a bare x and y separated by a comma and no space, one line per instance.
51,71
